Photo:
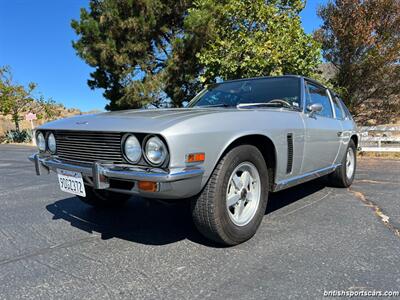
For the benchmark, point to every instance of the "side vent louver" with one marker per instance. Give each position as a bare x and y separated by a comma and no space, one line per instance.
290,153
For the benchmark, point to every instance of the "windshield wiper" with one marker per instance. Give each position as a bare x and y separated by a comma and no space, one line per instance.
214,105
244,105
267,104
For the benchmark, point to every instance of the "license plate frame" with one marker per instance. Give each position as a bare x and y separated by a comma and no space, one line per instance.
71,182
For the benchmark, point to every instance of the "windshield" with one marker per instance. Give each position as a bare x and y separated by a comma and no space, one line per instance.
260,91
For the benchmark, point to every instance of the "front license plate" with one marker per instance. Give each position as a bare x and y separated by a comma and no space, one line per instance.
71,182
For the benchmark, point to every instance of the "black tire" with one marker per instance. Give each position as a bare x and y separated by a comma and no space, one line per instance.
103,198
339,177
209,211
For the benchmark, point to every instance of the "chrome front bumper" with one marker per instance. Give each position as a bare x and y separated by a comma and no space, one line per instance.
175,183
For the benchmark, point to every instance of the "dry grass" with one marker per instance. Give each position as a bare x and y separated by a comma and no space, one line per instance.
384,155
21,144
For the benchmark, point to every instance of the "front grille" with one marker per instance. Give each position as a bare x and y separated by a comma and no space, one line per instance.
89,146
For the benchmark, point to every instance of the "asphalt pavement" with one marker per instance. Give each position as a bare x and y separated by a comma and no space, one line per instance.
313,238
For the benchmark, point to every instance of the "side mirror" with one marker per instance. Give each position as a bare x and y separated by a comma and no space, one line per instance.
314,108
185,103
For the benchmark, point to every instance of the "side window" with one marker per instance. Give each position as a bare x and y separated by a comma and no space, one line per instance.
346,110
317,94
338,108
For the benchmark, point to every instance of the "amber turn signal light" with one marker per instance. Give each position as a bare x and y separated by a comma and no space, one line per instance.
195,157
147,186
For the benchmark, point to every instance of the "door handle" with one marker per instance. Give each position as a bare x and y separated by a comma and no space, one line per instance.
339,133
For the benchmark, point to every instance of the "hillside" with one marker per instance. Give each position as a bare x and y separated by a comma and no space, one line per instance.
61,112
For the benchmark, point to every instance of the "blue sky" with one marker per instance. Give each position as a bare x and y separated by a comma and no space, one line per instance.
36,42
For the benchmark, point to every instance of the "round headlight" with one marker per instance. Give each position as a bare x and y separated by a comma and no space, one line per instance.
41,142
51,143
155,151
132,149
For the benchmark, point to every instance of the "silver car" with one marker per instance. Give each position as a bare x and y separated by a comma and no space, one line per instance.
234,143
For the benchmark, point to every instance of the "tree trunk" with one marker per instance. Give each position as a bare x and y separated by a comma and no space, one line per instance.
16,122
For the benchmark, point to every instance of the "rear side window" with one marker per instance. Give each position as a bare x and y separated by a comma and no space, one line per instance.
338,108
317,94
345,109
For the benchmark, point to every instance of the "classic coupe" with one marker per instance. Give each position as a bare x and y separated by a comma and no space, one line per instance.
232,145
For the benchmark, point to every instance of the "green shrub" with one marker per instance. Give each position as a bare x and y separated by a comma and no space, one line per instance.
23,136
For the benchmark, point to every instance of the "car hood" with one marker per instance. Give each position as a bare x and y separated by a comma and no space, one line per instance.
147,121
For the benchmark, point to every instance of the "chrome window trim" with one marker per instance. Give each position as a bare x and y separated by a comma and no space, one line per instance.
327,91
303,95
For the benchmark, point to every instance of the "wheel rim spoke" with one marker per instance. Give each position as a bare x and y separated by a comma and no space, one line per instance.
233,199
239,209
237,182
245,179
249,196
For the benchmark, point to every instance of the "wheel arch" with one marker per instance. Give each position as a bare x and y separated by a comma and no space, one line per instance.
354,137
264,144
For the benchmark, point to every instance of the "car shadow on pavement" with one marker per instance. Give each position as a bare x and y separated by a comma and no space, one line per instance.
153,223
286,197
138,220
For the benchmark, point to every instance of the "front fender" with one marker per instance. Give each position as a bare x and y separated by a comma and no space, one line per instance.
213,134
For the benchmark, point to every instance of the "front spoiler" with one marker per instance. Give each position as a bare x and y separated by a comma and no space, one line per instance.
174,183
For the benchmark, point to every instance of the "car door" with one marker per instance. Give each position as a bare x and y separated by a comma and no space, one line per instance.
322,130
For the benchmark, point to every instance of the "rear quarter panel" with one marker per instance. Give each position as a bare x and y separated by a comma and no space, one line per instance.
349,129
